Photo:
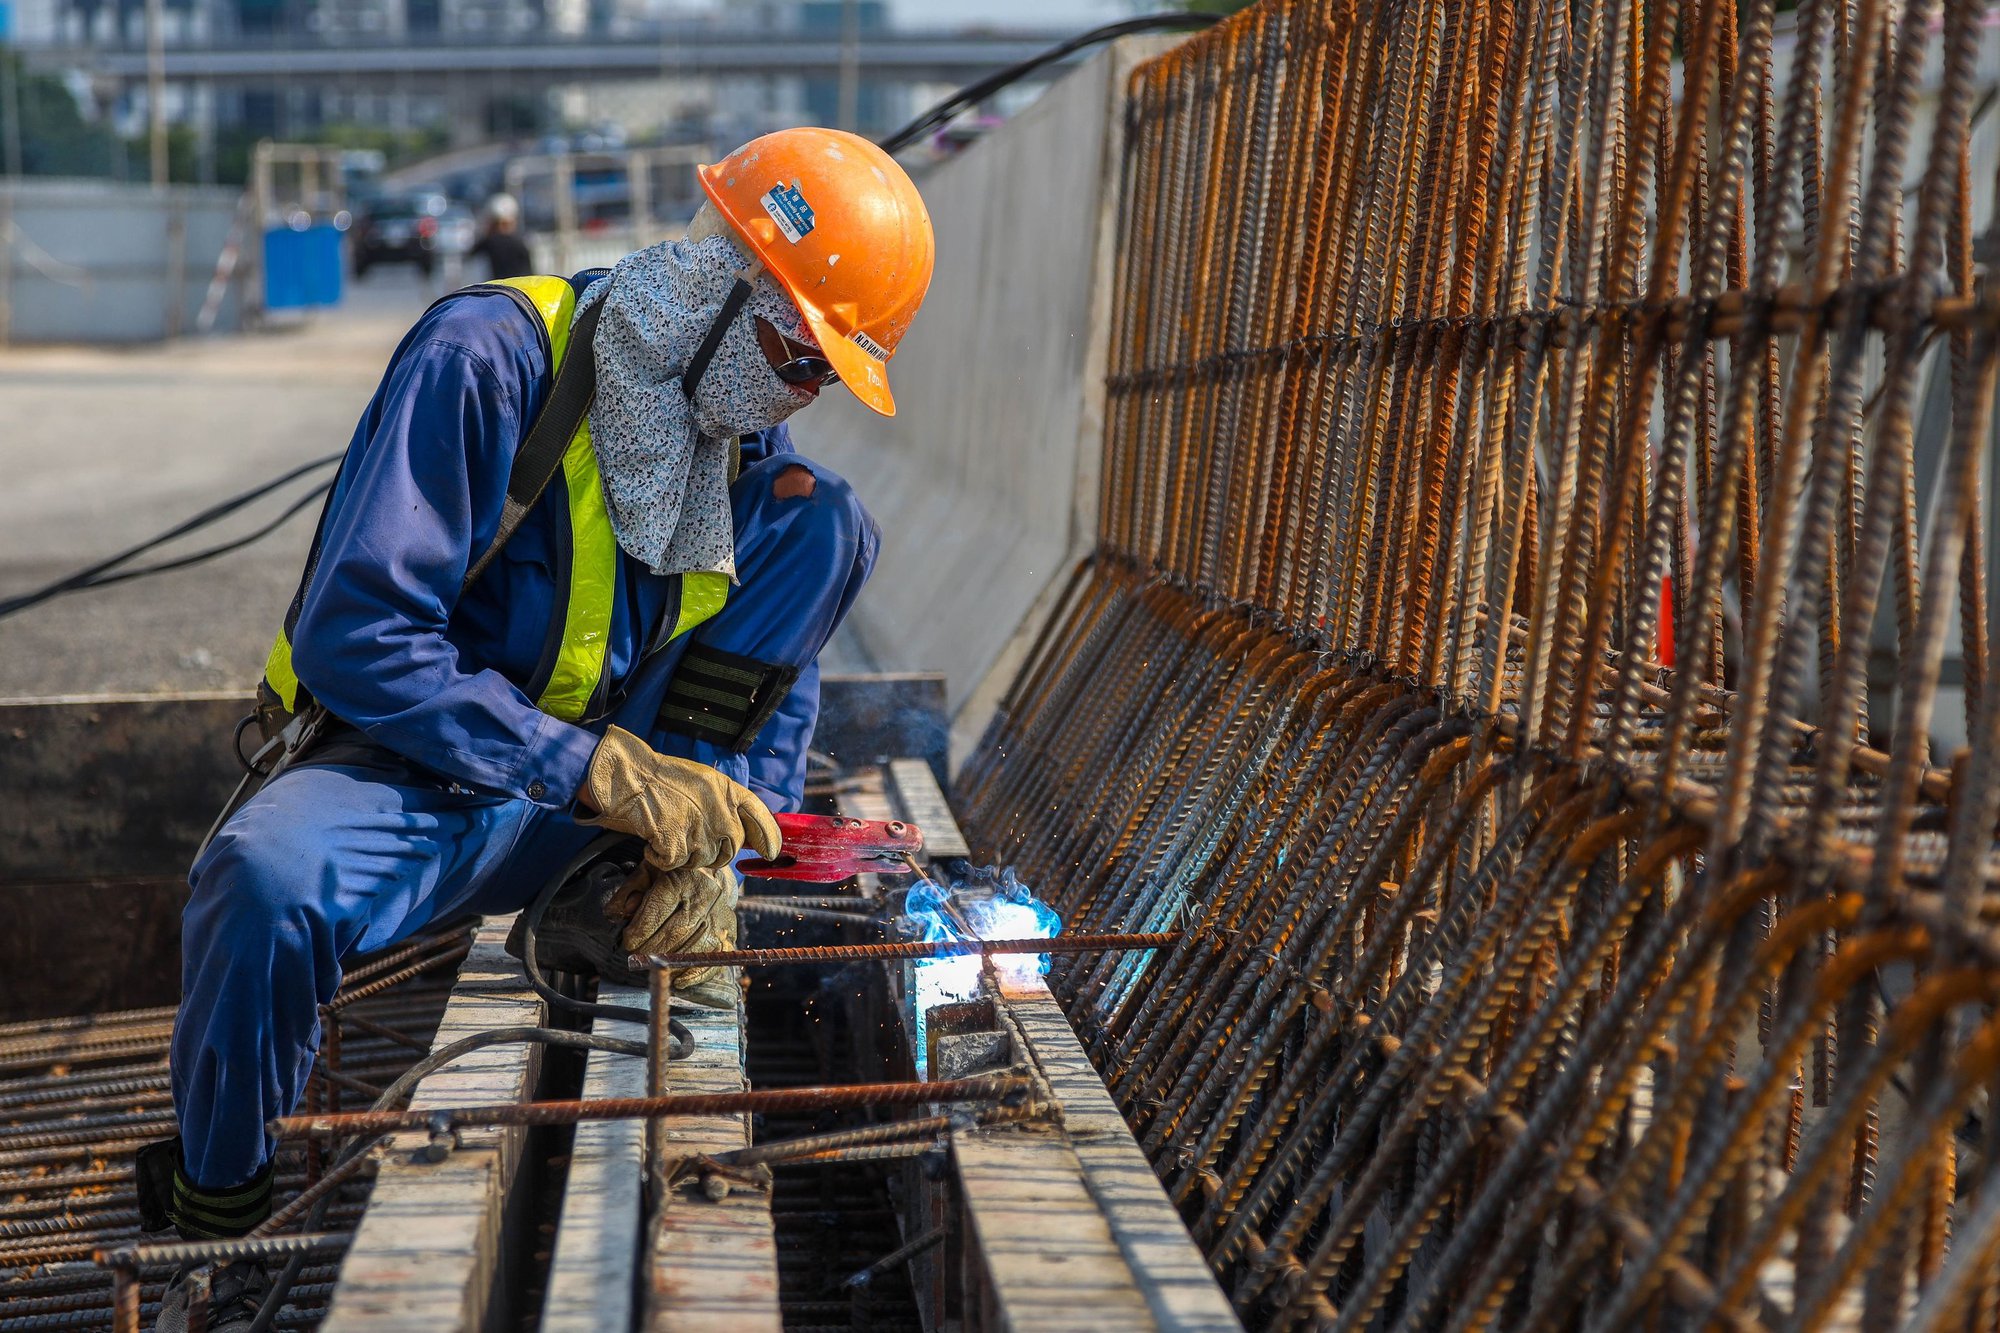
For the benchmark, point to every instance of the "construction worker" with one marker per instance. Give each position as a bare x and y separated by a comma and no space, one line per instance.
477,677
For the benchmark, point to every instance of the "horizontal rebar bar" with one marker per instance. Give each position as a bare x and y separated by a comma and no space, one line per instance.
982,1088
854,953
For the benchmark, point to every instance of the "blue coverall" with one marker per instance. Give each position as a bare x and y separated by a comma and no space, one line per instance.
461,799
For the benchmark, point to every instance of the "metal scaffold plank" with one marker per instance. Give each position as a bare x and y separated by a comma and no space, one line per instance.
713,1265
425,1253
1069,1226
924,805
591,1283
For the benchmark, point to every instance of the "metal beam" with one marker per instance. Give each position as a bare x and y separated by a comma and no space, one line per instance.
591,1284
712,1264
904,57
1066,1226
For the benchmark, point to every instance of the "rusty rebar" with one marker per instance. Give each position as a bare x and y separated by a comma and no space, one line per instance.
1516,414
981,1088
859,953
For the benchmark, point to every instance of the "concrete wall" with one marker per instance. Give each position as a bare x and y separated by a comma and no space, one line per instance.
985,482
98,262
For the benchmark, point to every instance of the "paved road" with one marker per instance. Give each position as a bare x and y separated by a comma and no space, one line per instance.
105,447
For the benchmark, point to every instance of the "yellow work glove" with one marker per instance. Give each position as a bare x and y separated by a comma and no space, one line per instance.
715,987
689,814
678,911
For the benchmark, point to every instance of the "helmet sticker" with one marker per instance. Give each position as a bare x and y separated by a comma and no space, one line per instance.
869,345
789,209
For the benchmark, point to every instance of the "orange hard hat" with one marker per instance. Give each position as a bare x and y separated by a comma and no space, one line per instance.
844,231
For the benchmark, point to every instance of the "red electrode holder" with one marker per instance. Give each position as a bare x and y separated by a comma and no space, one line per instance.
825,849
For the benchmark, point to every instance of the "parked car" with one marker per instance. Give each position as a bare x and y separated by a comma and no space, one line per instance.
400,228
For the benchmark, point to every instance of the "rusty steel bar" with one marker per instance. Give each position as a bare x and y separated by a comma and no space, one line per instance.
1517,414
857,953
982,1088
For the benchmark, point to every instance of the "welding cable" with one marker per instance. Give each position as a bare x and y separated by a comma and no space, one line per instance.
102,573
974,93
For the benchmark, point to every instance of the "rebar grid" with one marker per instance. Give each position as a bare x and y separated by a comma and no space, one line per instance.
79,1096
1544,488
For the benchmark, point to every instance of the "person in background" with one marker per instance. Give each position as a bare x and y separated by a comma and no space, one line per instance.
501,243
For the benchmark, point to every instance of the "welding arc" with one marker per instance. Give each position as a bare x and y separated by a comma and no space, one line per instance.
856,953
982,1088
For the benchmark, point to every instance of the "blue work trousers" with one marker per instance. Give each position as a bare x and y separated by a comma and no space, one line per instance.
365,849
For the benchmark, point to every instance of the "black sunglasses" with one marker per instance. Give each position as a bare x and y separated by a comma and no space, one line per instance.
794,362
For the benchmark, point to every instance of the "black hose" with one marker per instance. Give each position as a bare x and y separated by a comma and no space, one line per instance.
974,93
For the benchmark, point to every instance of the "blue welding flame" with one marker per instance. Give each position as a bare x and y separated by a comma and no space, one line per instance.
992,904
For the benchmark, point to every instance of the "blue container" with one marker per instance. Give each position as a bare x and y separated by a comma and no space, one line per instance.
302,268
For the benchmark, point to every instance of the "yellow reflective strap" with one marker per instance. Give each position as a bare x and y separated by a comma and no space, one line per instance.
593,560
593,579
556,300
278,673
593,584
702,595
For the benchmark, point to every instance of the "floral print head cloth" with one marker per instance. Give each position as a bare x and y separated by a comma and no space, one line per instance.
665,461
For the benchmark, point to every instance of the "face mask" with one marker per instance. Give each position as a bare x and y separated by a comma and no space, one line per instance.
664,460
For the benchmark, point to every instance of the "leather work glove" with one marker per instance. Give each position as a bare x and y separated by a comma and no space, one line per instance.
689,814
678,911
716,987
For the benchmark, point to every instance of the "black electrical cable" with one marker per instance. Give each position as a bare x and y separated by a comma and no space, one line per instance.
101,574
974,93
210,553
531,923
